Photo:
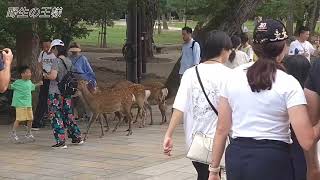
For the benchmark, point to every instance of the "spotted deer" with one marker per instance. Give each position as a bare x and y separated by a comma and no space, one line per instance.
118,101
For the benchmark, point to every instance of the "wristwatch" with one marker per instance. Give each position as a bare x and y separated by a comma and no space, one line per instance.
214,169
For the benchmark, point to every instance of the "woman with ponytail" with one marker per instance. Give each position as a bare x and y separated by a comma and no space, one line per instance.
236,57
256,108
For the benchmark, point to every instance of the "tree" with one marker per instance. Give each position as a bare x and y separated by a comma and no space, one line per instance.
150,10
313,15
228,16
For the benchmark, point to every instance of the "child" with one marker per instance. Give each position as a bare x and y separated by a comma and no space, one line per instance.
22,101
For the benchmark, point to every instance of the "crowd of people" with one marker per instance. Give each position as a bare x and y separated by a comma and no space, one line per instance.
53,105
258,103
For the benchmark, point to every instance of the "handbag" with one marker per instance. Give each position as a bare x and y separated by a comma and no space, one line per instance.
201,146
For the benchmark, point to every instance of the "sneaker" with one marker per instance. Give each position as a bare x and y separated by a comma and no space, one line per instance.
61,145
14,138
30,137
77,141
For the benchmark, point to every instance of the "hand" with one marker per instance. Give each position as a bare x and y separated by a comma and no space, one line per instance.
313,174
7,56
167,146
214,176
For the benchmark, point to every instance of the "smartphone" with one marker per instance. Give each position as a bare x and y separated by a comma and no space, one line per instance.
1,61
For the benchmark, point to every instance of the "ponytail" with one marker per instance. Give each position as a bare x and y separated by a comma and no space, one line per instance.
232,55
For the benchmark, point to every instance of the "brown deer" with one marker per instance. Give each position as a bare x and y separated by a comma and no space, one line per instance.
118,101
158,96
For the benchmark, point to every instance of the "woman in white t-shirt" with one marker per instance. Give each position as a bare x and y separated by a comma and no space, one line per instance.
256,108
190,103
236,57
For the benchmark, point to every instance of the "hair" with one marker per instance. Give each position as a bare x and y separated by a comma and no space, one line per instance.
236,42
262,73
244,38
216,41
298,66
187,29
61,51
23,69
303,29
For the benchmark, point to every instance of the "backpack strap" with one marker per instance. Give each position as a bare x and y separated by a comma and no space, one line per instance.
192,46
64,64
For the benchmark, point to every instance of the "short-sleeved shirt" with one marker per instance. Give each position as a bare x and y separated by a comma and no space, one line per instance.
240,58
22,93
313,80
262,115
57,65
190,99
46,60
297,47
249,51
190,56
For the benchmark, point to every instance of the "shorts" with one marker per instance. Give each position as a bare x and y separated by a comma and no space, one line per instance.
24,114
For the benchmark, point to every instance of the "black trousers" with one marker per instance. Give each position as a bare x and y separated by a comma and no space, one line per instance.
202,170
249,159
298,159
42,106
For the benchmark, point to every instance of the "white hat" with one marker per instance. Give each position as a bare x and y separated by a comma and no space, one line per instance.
56,42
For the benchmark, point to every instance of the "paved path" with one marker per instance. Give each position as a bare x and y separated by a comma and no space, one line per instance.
116,156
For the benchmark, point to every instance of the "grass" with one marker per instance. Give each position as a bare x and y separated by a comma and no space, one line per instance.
116,37
176,24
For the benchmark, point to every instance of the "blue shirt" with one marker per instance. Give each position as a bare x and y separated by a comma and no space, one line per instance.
83,69
190,57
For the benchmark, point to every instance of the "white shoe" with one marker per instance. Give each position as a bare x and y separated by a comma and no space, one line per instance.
30,137
14,138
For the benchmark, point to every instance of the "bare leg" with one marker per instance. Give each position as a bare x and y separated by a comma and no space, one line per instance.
29,124
15,127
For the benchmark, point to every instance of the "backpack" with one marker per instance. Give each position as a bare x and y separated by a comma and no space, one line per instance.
192,46
69,83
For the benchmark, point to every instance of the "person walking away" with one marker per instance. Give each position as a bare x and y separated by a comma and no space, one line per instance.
302,46
312,92
59,105
22,101
191,105
236,57
190,51
45,59
246,47
298,66
260,138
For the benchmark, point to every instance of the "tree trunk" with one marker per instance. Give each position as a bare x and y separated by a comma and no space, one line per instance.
236,13
150,16
313,15
165,22
104,42
289,23
299,23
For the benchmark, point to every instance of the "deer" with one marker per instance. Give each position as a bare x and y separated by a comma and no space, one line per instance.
118,101
158,95
141,95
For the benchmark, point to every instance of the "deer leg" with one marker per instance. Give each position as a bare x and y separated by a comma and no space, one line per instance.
130,123
101,125
119,122
92,119
162,108
138,114
147,105
107,124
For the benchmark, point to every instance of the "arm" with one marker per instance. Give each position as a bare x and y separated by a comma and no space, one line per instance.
223,128
167,142
5,73
40,83
250,54
54,71
196,53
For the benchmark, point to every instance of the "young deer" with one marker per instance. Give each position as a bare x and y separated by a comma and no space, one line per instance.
118,101
141,95
158,96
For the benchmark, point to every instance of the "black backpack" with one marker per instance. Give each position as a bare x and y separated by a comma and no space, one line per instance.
69,83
